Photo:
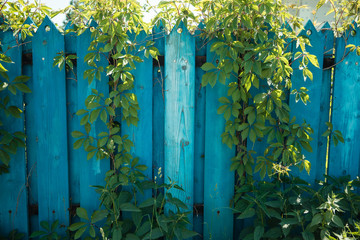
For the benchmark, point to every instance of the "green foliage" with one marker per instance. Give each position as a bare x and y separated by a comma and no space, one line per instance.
291,209
12,17
13,235
348,233
122,216
144,220
251,42
49,231
336,135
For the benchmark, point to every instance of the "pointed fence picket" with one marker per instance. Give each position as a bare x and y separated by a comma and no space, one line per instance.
50,127
141,135
178,133
13,198
218,180
328,38
31,154
199,151
180,112
158,103
312,108
91,171
344,159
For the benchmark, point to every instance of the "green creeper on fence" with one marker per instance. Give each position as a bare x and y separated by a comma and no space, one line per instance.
114,37
12,18
253,46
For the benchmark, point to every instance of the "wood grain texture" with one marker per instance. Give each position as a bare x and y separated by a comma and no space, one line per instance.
141,135
13,199
199,151
50,124
218,179
158,107
312,108
31,133
73,121
328,39
93,171
344,159
180,112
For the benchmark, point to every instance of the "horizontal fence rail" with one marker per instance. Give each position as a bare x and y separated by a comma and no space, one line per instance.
178,133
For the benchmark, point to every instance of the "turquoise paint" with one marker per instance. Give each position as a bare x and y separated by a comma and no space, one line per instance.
180,113
312,109
93,171
27,43
199,151
158,107
73,121
328,39
219,181
31,133
218,178
13,199
141,135
50,139
344,159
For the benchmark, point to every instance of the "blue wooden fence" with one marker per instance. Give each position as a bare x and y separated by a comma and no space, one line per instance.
178,133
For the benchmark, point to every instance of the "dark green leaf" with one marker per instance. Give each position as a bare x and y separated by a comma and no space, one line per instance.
308,236
337,220
80,232
82,213
207,66
98,215
45,225
248,213
154,234
129,207
259,232
22,87
76,226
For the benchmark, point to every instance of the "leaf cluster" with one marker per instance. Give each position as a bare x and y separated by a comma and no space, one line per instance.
292,209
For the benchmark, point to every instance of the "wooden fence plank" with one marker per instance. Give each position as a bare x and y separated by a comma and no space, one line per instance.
344,159
199,157
141,135
180,112
31,133
312,108
49,95
218,179
13,199
73,121
158,106
93,171
328,38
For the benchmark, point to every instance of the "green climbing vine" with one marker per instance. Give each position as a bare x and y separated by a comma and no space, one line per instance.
252,42
12,20
115,39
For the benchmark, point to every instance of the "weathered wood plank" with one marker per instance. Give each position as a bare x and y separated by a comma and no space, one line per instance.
31,133
141,135
73,121
218,179
13,199
158,107
344,159
328,39
199,152
50,142
180,112
92,171
312,108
